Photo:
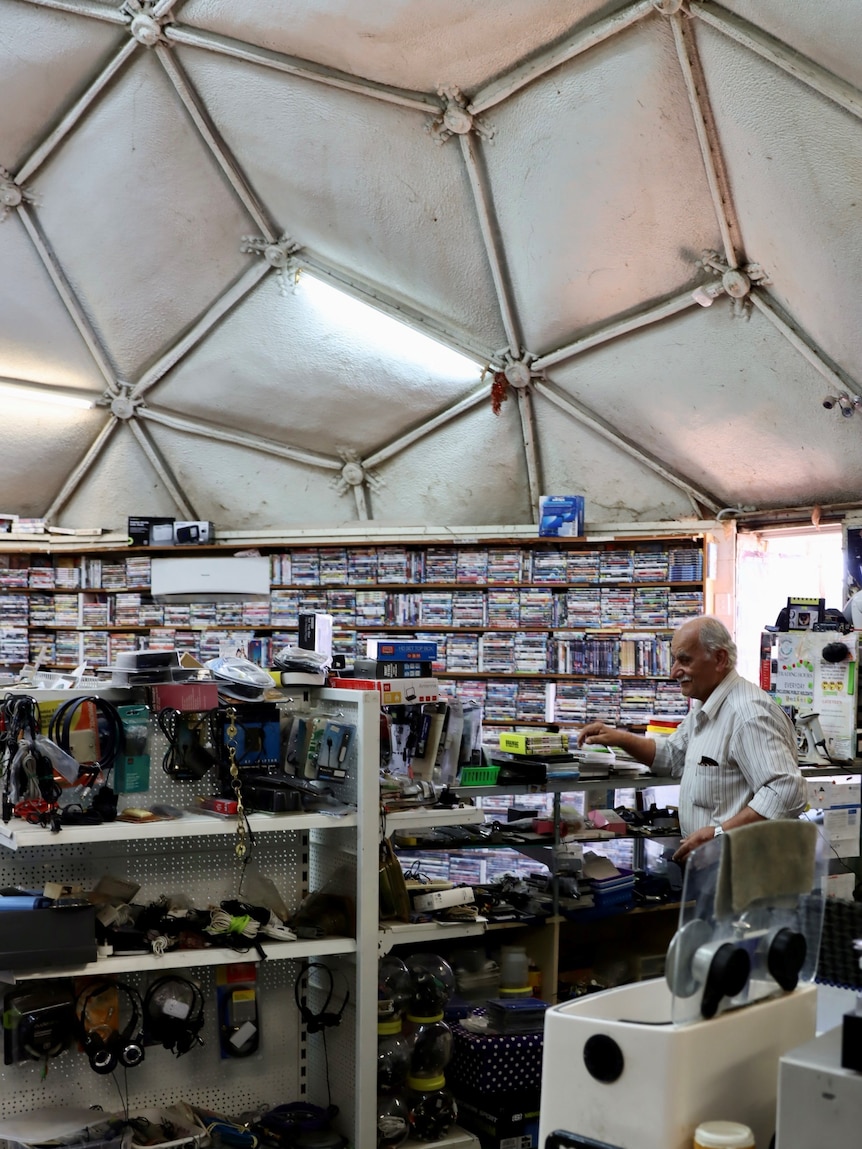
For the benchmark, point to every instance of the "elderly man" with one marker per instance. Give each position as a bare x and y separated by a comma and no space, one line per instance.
734,752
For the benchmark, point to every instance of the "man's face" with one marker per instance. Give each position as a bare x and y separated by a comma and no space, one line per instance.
697,671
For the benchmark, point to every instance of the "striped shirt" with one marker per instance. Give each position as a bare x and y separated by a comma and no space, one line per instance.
736,749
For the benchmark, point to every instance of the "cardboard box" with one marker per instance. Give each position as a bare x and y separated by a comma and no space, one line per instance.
151,530
186,696
393,691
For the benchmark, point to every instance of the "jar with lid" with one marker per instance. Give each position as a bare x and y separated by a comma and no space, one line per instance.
433,1109
723,1135
393,1120
393,1054
430,1045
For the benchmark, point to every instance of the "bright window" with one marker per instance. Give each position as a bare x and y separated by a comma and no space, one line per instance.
775,564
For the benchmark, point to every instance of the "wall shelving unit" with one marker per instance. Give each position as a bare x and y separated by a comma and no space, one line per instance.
195,855
538,630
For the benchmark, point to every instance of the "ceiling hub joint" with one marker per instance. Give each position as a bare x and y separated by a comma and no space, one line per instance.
145,25
124,405
280,255
735,282
354,474
455,118
12,194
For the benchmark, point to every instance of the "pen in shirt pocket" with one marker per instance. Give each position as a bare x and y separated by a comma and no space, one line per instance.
707,761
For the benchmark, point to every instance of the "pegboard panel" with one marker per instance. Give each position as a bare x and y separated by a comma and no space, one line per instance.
205,869
165,789
270,1076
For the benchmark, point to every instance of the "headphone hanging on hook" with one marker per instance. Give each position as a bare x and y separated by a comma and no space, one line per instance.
327,1018
107,1046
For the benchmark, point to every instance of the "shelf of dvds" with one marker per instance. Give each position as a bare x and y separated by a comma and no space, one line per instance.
536,630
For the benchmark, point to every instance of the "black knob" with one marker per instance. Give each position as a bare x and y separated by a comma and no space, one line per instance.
603,1058
786,957
729,971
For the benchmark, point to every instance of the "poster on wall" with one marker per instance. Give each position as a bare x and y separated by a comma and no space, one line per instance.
803,678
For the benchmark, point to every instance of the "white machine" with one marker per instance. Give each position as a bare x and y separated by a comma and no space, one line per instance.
641,1066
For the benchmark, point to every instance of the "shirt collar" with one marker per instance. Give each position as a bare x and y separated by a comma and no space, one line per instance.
712,705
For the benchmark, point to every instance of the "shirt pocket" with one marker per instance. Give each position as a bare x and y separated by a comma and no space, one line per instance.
707,778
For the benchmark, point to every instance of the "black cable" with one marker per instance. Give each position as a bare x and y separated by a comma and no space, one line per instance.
110,733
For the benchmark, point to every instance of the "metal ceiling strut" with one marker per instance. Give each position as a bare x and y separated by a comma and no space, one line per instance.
237,438
553,57
617,327
163,471
782,56
68,121
70,300
302,69
707,138
219,307
80,471
591,420
223,157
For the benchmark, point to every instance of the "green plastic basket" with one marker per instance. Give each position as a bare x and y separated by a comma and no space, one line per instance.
478,775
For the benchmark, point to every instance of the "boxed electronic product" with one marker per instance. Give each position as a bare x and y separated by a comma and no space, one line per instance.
501,1121
60,935
403,650
442,899
394,691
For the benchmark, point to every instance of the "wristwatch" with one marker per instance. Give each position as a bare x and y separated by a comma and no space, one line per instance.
717,830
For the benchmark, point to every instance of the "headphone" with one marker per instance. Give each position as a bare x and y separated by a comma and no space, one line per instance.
106,1046
174,1013
316,1022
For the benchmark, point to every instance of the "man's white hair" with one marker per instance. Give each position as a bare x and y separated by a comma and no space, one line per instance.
713,636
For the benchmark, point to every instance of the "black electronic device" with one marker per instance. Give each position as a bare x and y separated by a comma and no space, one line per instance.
107,1045
38,1023
174,1013
327,1017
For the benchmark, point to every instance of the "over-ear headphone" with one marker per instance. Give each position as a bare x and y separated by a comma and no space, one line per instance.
315,1022
174,1013
105,1045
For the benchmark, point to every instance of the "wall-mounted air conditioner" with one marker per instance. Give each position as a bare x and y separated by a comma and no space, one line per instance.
222,579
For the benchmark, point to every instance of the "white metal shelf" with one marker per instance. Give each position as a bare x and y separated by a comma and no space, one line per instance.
412,933
185,959
427,817
18,835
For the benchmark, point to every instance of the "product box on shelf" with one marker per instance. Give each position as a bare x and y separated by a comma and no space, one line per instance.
189,697
487,1063
51,937
393,691
400,651
501,1121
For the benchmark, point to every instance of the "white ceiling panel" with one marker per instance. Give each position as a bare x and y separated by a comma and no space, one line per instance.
632,201
137,211
405,43
724,402
47,59
404,221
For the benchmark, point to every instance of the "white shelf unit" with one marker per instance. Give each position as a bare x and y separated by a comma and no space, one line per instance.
195,856
542,940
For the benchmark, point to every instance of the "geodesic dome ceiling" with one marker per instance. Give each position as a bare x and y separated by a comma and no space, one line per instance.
418,263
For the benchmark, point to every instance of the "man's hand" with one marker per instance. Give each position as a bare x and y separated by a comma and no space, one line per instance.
598,734
704,834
